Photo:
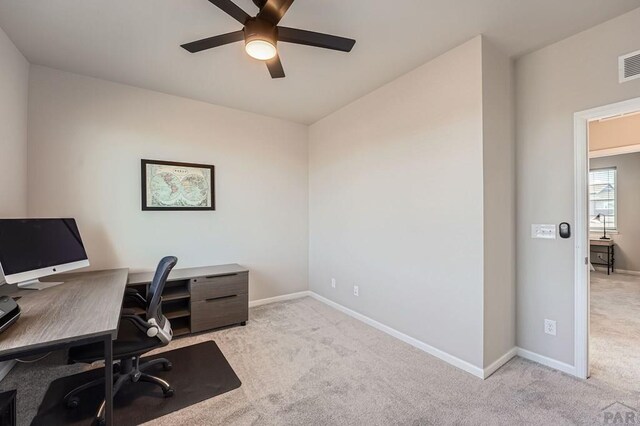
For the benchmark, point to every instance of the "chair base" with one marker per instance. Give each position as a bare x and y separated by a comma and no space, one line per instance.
128,370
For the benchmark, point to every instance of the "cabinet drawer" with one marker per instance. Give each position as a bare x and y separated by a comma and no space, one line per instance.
214,313
204,288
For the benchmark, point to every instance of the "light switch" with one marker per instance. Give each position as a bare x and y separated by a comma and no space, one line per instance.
547,232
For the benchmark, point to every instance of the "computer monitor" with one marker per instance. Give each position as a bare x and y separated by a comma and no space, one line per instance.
35,248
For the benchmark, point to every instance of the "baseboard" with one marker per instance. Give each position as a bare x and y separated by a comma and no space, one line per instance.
444,356
5,367
617,271
549,362
282,298
500,362
440,354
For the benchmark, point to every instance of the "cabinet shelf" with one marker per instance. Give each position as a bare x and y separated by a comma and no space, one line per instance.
178,313
175,293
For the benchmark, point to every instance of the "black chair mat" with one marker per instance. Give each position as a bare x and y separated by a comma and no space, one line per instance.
199,372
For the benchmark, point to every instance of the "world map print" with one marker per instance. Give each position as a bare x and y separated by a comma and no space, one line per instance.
176,186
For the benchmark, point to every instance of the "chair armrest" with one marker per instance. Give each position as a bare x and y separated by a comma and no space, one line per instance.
151,328
131,294
141,324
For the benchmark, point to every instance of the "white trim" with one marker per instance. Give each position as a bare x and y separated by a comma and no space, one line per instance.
442,355
456,362
549,362
629,149
282,298
5,367
500,362
581,211
617,271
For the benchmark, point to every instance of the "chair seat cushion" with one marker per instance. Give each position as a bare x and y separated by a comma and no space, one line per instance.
131,341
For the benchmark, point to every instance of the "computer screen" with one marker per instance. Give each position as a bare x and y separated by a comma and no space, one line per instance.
33,244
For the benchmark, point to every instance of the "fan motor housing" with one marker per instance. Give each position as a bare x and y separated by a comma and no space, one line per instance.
259,29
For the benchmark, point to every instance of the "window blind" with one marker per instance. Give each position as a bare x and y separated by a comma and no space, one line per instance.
602,197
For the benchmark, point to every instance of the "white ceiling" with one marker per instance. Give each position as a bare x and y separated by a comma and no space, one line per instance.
137,42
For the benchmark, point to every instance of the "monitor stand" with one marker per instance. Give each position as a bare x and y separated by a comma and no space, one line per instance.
37,284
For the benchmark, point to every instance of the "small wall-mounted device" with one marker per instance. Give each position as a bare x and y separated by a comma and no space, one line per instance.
565,230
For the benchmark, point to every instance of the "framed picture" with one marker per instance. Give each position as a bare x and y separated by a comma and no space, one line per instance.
174,186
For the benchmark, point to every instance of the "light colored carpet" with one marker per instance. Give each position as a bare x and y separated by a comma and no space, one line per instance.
304,363
615,329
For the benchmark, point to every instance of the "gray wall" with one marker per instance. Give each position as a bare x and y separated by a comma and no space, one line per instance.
499,204
552,84
412,198
14,84
395,185
628,180
86,139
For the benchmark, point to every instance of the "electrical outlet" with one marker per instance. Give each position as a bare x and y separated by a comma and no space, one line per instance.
333,282
356,290
550,327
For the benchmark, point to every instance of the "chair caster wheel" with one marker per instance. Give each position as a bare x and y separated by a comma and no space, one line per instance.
101,422
73,402
169,393
167,366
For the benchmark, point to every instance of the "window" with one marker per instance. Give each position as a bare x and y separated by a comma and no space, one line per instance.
602,198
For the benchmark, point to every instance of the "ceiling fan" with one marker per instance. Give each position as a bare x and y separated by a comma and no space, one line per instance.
262,33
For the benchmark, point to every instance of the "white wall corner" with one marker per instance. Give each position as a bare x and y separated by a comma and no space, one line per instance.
495,366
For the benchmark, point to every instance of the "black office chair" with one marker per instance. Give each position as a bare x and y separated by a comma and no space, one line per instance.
136,336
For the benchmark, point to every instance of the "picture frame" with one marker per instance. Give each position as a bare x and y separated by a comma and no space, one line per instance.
176,186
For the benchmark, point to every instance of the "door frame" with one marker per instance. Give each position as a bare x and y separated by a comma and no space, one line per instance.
581,194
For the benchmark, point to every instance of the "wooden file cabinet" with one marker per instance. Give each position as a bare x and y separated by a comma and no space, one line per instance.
200,299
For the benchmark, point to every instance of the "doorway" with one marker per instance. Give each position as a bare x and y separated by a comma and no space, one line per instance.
597,227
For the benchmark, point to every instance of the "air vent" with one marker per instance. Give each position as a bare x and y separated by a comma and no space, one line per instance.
629,66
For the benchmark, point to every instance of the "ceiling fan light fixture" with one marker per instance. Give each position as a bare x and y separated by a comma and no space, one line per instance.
262,33
260,39
262,50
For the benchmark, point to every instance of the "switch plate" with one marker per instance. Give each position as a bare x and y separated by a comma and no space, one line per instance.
546,232
550,327
333,282
356,290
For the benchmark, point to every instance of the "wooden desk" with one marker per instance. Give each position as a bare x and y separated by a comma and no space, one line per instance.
609,245
85,309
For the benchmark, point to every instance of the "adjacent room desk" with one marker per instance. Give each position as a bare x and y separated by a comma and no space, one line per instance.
85,309
604,247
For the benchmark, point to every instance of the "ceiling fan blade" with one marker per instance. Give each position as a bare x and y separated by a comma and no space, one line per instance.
211,42
274,10
310,38
232,10
275,67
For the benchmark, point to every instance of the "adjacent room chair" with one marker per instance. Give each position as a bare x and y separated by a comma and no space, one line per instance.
136,336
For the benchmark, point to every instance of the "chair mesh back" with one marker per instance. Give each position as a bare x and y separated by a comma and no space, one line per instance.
154,296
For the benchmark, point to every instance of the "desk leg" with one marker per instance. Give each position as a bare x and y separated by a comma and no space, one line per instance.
608,259
613,258
108,380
